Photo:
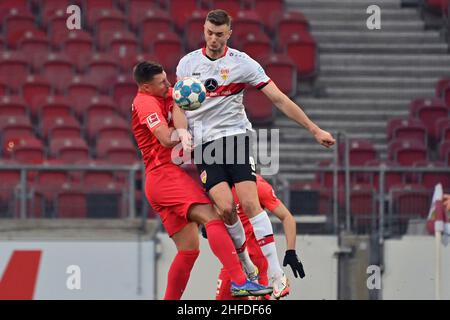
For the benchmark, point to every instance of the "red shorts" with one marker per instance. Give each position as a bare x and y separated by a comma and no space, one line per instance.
171,192
256,255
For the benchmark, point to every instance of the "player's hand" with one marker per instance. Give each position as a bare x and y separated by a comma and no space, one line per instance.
186,140
324,138
291,259
447,201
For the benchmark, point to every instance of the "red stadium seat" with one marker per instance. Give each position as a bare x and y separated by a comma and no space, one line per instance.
137,9
109,127
102,70
181,10
440,87
60,128
69,150
92,178
71,202
4,90
95,7
54,106
302,49
117,151
153,22
100,107
123,45
80,91
168,48
391,178
443,128
258,107
410,201
406,152
408,129
28,150
428,110
255,45
325,178
50,6
58,69
15,127
19,4
54,179
10,180
106,23
13,106
267,9
430,179
230,6
363,205
246,22
193,30
56,24
444,151
282,71
35,45
79,46
290,22
123,92
360,152
16,22
34,89
13,69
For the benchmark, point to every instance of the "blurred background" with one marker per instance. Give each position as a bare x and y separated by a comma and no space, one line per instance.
71,176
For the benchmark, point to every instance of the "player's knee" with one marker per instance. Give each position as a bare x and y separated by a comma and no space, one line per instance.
251,208
229,214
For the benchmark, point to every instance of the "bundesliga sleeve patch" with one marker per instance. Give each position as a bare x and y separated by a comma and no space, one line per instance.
153,120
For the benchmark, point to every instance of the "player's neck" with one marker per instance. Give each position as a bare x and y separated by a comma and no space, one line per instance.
213,55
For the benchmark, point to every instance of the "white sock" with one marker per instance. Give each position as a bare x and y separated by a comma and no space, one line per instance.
237,234
264,235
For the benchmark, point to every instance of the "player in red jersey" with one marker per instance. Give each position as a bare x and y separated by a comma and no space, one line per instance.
177,198
269,201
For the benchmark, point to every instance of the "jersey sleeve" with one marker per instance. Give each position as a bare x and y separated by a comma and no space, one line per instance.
182,69
149,113
267,196
256,76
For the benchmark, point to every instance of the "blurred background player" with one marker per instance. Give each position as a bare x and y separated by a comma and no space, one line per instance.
269,201
447,202
222,120
153,117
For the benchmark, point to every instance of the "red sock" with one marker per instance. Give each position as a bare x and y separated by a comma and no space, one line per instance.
223,248
179,273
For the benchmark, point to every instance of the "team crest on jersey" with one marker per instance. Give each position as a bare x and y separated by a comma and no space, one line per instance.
203,176
224,73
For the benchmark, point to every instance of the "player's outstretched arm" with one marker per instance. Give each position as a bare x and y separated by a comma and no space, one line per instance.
290,231
295,112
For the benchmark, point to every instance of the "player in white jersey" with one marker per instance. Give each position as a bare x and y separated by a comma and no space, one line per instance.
221,123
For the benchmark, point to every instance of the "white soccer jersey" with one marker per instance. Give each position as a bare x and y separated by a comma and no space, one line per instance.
222,113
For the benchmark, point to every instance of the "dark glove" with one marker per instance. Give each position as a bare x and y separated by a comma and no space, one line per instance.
203,231
291,259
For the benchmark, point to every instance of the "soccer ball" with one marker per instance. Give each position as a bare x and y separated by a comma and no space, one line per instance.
189,93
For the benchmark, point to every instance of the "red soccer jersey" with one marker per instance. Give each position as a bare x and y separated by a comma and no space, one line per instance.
148,114
267,199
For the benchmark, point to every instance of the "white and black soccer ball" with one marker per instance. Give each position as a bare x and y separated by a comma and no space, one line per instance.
189,93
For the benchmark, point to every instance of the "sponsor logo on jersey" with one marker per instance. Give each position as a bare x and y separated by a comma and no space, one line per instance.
224,73
196,74
211,84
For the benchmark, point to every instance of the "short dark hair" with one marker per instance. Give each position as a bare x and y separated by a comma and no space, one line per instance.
219,17
145,71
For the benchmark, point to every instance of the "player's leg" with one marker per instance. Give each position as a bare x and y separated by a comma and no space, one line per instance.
221,245
217,183
243,175
187,244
